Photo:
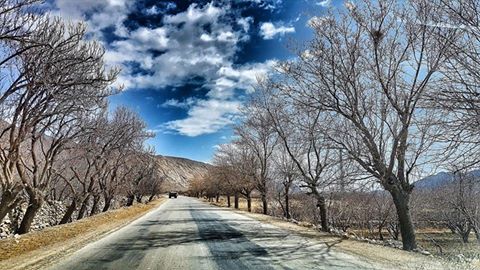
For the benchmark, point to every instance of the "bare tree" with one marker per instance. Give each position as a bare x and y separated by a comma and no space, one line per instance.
298,129
258,134
15,28
247,167
102,161
64,79
17,22
145,179
221,175
460,99
368,69
287,175
81,172
459,204
114,146
240,162
57,140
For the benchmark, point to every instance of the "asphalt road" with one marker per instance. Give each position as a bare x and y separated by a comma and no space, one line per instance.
185,233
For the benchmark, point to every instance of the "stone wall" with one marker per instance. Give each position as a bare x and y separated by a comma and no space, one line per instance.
49,215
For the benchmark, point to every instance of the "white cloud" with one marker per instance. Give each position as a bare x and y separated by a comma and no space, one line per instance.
152,11
207,116
185,104
324,3
268,30
160,8
227,37
243,77
103,13
196,14
267,4
245,23
150,38
206,37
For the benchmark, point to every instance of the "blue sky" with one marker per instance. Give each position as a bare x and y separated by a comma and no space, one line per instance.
188,66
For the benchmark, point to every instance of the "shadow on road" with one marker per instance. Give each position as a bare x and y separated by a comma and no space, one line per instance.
233,243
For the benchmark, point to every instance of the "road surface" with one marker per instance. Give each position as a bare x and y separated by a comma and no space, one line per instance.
185,233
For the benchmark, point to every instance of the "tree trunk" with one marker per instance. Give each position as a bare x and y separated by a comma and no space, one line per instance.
68,214
151,197
130,200
108,202
94,210
5,208
139,199
35,202
264,204
235,201
380,236
83,208
9,201
14,216
228,201
401,200
465,236
322,207
249,203
217,197
287,206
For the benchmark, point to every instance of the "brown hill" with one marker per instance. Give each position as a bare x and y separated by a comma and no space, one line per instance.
178,172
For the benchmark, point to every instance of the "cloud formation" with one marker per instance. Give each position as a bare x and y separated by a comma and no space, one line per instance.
324,3
222,105
268,30
207,116
201,41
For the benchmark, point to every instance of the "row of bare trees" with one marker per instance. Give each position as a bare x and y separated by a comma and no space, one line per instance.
454,205
385,91
57,139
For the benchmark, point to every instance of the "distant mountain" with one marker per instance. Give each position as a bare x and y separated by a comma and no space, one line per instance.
440,179
178,172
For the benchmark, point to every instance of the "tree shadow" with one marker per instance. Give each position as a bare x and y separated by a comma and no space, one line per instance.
233,242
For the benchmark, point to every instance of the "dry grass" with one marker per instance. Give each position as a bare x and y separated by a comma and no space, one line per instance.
49,242
449,245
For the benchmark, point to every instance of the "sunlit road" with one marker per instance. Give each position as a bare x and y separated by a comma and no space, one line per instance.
184,233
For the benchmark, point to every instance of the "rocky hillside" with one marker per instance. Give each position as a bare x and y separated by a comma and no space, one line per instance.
178,172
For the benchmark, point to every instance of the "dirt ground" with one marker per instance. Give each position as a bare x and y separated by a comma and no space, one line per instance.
35,250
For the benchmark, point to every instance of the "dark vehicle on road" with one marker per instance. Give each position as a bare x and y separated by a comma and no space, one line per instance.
172,194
